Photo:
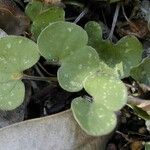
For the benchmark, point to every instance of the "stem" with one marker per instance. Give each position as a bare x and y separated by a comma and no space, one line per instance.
114,22
44,69
144,104
46,79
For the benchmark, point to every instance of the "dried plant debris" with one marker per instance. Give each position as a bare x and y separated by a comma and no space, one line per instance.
12,19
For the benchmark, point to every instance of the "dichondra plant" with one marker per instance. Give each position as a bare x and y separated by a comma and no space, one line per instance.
86,61
80,68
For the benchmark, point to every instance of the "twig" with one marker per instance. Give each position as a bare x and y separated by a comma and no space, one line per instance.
145,88
127,19
131,137
136,101
141,103
83,13
78,4
129,86
114,22
44,69
105,22
124,14
38,71
34,86
123,135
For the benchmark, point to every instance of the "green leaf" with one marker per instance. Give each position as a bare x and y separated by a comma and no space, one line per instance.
141,72
121,56
48,16
33,9
77,67
105,69
11,95
106,90
61,39
6,77
140,112
147,146
16,55
93,118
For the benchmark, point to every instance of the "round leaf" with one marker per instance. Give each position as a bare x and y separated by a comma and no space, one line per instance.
33,9
77,67
106,90
94,119
60,39
141,72
94,32
45,18
11,94
121,56
17,54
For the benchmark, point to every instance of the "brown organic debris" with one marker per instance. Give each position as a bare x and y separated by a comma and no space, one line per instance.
12,19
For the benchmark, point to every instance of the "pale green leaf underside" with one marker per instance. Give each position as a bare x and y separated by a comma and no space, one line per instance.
121,56
77,67
93,118
11,94
48,16
141,72
61,39
106,90
17,54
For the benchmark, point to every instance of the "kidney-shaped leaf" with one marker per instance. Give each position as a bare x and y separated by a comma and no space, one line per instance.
16,55
93,118
60,39
77,67
11,95
34,8
141,72
106,90
121,56
48,16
